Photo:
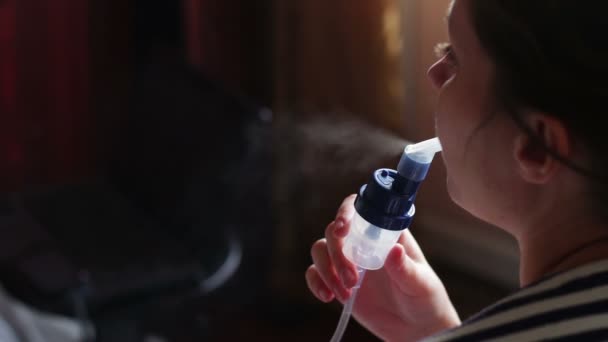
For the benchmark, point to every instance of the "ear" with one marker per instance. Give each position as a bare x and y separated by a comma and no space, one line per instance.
535,164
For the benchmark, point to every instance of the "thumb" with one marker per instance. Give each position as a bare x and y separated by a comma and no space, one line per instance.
405,273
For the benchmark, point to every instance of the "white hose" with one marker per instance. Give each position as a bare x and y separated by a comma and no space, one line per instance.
348,309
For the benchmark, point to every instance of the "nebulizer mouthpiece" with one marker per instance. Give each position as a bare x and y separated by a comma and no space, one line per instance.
417,158
385,206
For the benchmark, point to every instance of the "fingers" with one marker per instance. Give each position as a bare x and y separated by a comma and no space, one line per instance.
400,268
347,209
334,235
317,286
326,270
412,249
406,273
331,273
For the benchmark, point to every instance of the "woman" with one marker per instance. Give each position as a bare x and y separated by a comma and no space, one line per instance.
521,92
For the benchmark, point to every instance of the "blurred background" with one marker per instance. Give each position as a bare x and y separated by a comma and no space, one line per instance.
166,165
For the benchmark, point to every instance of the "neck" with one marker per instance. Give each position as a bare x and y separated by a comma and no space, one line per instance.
558,247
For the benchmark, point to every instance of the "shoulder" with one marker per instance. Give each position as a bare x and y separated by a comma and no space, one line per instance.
570,306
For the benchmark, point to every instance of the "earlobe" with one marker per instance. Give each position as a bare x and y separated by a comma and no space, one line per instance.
535,155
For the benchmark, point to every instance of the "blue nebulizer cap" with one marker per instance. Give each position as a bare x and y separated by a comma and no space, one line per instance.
385,206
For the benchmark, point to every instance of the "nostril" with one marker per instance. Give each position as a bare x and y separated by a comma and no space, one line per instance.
438,74
433,75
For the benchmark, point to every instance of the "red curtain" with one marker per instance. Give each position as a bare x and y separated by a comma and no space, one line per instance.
11,148
214,41
192,15
231,42
46,133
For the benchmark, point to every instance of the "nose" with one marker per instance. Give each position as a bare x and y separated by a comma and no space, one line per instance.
439,73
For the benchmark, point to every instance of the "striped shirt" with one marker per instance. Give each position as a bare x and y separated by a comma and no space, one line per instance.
569,306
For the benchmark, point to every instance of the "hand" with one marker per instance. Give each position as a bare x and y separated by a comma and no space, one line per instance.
404,300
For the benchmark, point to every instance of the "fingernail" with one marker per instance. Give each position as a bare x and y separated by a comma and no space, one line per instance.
324,295
339,229
339,295
342,294
348,278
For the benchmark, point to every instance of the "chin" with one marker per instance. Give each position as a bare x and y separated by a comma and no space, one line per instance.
452,190
458,197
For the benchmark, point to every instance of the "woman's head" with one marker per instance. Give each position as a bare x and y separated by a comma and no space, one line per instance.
521,90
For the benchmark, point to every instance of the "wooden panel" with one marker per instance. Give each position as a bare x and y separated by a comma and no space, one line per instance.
341,55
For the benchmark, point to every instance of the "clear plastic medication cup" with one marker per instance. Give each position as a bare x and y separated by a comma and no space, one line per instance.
385,206
367,246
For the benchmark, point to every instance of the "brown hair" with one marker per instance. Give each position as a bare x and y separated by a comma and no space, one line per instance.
552,56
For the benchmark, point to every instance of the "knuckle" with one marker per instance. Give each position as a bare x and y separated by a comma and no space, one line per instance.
346,207
311,279
310,274
329,229
318,247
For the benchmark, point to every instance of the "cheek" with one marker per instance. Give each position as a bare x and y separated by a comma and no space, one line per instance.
480,170
456,111
462,105
454,125
466,171
457,125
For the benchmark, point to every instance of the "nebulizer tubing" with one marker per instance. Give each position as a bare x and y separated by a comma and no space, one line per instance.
384,209
347,310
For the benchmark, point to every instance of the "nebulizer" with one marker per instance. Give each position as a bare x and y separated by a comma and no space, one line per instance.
384,209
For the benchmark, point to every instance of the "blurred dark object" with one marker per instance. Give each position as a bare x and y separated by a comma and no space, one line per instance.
141,186
186,198
197,158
